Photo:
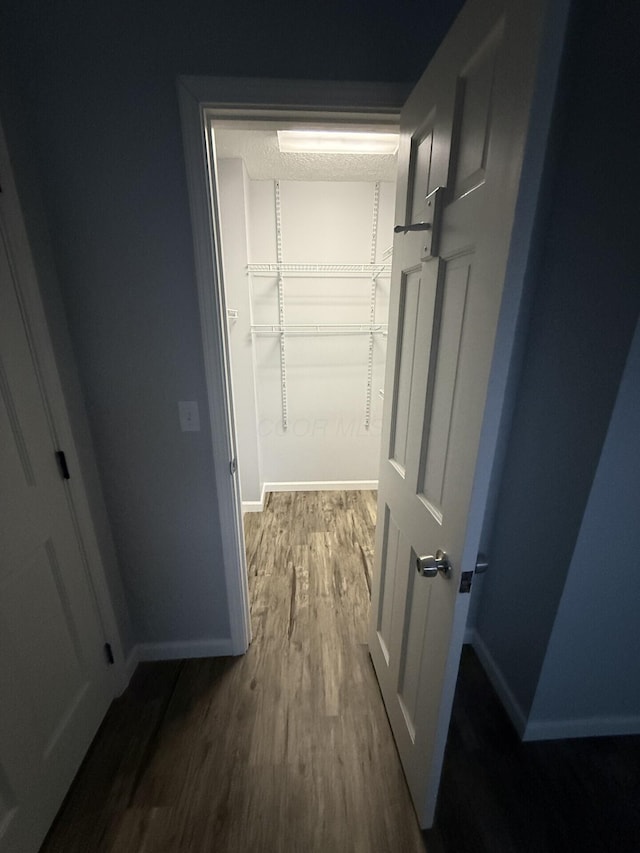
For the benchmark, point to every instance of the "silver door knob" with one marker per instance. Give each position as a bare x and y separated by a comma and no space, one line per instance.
429,566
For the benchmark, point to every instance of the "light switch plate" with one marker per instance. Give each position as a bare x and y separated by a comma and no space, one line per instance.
189,416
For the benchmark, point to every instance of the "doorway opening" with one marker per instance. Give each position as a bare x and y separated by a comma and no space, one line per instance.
306,247
248,103
306,239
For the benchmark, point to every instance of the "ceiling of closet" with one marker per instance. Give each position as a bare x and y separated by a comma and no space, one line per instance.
264,161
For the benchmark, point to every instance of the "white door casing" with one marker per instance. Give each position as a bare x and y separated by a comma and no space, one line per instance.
246,99
464,128
55,611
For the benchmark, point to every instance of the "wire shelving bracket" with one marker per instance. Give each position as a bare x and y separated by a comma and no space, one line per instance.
281,315
372,306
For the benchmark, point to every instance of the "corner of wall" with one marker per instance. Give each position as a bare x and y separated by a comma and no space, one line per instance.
500,683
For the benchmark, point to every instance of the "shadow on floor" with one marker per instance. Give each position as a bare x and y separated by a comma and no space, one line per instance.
499,795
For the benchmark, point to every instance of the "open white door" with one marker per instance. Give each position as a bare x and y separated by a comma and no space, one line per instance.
464,129
55,685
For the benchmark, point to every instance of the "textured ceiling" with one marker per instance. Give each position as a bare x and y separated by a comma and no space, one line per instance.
263,160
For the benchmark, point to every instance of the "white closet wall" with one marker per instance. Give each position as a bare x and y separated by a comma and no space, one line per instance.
327,440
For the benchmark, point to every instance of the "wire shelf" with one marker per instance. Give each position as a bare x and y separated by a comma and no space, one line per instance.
312,329
358,270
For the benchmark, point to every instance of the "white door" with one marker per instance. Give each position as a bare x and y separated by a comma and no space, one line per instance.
464,129
54,682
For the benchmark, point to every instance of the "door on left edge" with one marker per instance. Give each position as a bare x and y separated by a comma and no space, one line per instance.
54,685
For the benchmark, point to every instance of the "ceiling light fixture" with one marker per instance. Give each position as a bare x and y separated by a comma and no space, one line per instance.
336,142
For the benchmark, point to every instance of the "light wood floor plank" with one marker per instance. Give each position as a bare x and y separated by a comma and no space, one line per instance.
287,748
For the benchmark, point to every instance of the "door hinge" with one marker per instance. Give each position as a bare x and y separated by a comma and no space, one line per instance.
233,466
465,581
109,653
62,462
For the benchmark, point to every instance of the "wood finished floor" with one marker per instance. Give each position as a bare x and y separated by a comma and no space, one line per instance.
499,795
287,748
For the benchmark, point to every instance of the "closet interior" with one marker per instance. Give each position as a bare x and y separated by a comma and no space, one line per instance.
306,247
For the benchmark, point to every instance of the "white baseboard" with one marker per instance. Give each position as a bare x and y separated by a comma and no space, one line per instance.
131,663
187,649
323,486
127,669
254,506
586,727
170,651
530,730
509,701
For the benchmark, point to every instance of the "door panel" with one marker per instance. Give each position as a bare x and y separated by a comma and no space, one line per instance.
407,334
53,671
462,129
49,666
421,154
413,646
389,565
473,115
441,390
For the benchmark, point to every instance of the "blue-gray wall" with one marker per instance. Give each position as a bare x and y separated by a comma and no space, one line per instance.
97,81
584,310
590,672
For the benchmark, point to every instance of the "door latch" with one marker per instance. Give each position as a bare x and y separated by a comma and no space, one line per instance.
482,563
432,217
465,581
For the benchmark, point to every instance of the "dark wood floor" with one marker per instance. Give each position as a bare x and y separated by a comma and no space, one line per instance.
288,748
285,749
499,795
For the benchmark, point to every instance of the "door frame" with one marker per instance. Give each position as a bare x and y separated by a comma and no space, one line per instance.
200,98
55,404
247,99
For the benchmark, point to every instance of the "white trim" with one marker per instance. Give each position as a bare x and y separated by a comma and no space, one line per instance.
252,506
242,98
499,682
581,727
322,486
172,651
188,649
127,669
255,506
213,324
546,729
